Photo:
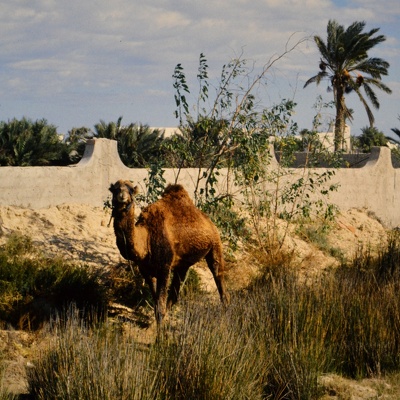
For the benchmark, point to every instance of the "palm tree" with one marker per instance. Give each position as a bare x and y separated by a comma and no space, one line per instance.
25,143
138,145
347,67
370,137
76,142
108,130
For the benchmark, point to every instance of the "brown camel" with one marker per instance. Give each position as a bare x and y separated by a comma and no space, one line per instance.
169,237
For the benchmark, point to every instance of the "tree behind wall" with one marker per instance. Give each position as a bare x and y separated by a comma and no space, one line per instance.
346,65
369,138
138,145
27,143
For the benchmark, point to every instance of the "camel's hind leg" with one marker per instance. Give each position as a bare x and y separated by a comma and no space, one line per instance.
215,262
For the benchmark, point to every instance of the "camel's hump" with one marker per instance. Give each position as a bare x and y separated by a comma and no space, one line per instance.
175,190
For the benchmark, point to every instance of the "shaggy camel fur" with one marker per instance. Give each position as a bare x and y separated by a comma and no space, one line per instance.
170,236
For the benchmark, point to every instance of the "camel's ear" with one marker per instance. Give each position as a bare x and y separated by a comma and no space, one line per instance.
133,190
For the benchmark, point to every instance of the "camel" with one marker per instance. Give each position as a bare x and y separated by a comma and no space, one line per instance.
169,236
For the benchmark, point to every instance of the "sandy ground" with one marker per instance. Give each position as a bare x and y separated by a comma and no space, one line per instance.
76,232
82,233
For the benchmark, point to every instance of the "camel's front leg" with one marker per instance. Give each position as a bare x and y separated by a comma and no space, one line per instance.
178,277
216,264
160,306
152,284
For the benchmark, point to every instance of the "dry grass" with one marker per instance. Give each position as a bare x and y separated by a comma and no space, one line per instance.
279,339
276,340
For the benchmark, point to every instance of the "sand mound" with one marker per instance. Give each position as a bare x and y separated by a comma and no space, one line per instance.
82,233
76,232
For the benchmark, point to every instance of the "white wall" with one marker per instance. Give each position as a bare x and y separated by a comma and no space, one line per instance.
376,186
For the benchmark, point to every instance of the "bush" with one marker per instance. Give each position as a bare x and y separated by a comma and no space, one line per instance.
32,287
370,137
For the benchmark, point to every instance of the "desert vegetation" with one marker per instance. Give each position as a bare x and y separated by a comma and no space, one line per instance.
279,337
33,287
283,332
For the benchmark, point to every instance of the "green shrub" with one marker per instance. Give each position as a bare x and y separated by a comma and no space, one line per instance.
317,233
128,287
191,286
32,287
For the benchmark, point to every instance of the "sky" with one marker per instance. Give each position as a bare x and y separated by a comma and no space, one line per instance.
77,62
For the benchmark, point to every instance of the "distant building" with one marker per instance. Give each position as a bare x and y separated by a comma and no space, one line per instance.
168,132
392,145
328,139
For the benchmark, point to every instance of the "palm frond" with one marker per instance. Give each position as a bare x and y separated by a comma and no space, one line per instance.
322,48
317,78
355,29
373,41
396,131
371,95
371,117
373,66
348,113
378,84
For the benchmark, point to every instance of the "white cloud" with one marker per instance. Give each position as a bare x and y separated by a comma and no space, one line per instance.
98,58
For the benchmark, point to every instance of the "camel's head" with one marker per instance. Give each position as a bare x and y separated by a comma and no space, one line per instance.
123,193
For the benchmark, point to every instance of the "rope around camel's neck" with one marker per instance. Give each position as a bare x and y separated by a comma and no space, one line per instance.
115,212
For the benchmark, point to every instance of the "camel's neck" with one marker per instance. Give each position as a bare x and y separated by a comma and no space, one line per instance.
129,241
122,211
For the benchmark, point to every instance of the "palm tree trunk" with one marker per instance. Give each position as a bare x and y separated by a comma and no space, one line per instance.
339,122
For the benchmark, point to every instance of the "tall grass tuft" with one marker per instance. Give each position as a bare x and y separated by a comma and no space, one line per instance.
87,363
212,355
291,320
205,357
370,312
4,394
